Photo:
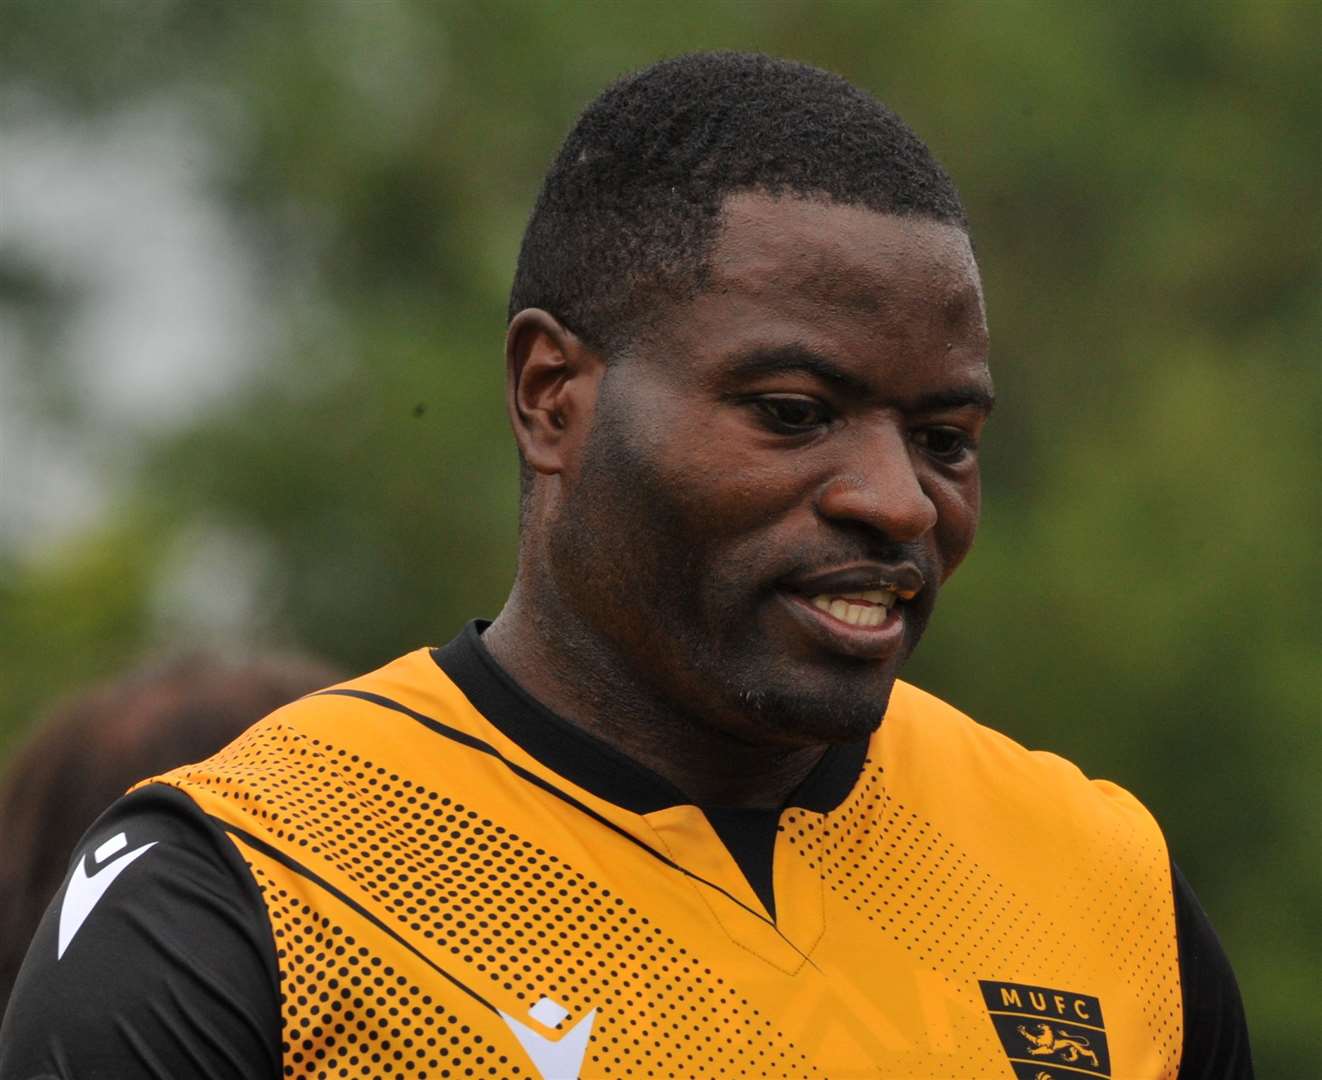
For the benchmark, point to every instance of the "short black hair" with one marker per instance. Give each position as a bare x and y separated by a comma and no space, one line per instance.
630,208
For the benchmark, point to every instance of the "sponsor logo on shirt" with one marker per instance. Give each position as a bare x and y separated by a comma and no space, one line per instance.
1048,1034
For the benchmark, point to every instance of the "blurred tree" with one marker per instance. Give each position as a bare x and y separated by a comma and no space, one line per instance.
1142,183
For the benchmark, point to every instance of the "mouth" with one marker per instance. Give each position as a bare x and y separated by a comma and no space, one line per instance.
858,612
867,608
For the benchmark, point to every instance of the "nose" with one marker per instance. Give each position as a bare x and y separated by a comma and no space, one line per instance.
879,487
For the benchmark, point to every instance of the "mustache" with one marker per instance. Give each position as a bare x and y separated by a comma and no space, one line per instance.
890,553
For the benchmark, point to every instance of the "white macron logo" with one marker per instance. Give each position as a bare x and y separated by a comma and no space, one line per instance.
558,1059
82,892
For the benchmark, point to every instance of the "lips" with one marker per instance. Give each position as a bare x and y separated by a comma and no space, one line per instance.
903,580
855,610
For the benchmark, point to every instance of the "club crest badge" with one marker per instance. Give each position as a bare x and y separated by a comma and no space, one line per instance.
1048,1034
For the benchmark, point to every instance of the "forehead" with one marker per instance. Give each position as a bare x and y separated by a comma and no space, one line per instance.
846,260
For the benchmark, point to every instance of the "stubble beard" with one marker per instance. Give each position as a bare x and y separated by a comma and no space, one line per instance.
657,626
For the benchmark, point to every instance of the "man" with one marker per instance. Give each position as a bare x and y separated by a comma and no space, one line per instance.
651,820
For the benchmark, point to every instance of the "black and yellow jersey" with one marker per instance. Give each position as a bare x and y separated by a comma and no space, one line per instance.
423,872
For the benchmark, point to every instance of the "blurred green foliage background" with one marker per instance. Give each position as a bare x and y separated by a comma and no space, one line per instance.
252,290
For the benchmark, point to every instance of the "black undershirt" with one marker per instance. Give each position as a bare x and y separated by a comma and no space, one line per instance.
750,838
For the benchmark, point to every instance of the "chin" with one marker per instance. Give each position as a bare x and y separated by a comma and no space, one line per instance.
836,714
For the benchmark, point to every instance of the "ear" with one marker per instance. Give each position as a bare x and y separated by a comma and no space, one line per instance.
551,380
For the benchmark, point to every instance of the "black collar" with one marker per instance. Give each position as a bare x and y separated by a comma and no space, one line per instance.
593,764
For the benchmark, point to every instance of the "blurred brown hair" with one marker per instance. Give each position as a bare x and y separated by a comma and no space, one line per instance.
94,746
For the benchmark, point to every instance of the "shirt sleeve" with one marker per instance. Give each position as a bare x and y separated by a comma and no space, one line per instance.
1216,1037
155,958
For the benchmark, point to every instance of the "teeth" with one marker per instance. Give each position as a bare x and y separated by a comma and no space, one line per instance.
866,608
884,597
874,596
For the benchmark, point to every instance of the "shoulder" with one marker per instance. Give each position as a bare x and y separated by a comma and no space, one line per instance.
156,945
293,788
404,693
922,733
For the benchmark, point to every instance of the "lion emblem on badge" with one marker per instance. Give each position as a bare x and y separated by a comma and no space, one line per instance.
1049,1041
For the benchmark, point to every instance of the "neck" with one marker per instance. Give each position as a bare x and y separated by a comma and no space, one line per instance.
581,677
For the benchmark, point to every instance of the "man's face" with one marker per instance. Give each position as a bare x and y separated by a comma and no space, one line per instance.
781,476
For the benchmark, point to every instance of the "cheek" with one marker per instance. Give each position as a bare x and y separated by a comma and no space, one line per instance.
723,488
958,507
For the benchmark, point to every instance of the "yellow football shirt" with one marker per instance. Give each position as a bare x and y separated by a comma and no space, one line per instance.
461,884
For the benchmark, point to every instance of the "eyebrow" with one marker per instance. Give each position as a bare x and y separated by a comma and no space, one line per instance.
975,395
798,358
785,359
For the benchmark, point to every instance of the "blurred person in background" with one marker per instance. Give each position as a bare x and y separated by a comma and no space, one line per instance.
94,746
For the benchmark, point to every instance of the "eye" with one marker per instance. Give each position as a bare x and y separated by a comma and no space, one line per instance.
792,414
947,444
